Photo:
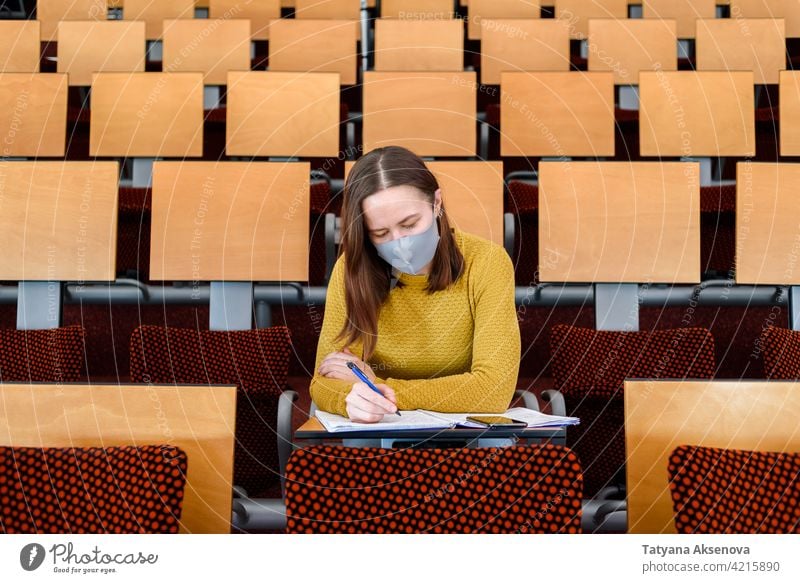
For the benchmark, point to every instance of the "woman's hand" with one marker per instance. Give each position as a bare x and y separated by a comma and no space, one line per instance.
366,406
334,366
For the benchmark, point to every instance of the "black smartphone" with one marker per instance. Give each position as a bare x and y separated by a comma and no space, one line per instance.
496,421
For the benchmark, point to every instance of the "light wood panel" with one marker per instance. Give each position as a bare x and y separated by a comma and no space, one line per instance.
123,49
19,46
147,115
789,100
431,114
626,47
685,113
479,10
58,221
557,114
522,45
684,12
619,222
155,13
50,12
767,226
314,45
661,415
328,9
789,10
198,419
416,9
212,47
283,114
575,14
259,14
419,45
33,114
472,193
230,221
742,44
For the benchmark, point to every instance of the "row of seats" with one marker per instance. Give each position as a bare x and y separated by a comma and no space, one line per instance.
316,478
249,221
622,46
276,114
140,490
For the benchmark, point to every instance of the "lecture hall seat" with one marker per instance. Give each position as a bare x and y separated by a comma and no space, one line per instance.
727,491
526,489
92,490
589,367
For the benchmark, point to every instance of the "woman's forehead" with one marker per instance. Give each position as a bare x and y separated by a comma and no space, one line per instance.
394,199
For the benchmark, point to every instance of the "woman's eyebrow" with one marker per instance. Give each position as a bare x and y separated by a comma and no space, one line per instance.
415,215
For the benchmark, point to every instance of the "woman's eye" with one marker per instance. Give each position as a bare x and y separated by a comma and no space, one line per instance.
409,227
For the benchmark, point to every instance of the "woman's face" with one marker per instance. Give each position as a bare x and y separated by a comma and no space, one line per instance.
397,212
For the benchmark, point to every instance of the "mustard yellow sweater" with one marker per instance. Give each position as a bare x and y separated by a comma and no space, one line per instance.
453,351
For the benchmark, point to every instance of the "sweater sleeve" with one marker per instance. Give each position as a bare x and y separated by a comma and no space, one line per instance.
329,394
489,386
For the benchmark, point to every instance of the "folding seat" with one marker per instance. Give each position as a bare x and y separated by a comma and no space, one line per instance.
128,113
33,115
155,13
618,224
96,490
526,489
589,367
575,16
50,13
780,350
102,458
231,224
627,47
708,116
419,45
51,235
727,491
78,57
685,13
19,46
675,487
417,9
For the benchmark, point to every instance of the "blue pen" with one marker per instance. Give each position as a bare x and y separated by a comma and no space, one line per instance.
357,371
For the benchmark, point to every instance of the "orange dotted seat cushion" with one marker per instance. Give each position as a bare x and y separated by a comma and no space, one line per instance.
589,368
44,356
732,491
256,361
530,489
780,348
91,490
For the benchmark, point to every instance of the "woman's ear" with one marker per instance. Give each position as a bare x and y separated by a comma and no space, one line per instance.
437,202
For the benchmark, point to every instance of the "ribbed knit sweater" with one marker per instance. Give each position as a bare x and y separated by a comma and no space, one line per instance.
453,351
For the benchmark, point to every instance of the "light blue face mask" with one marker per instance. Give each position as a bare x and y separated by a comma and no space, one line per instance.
410,254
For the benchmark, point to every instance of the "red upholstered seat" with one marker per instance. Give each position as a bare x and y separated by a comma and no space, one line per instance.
589,367
91,490
780,349
530,489
732,491
42,356
256,361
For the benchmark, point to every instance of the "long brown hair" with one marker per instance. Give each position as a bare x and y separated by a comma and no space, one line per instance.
367,276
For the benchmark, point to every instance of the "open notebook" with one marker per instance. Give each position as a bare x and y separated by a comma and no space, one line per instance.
420,419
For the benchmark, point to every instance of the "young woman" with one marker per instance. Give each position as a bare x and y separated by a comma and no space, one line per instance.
426,311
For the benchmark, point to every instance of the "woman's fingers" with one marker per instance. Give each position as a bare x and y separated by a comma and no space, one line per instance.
379,402
361,416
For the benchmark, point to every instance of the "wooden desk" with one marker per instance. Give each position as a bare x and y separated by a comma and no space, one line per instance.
197,419
684,12
660,415
314,430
